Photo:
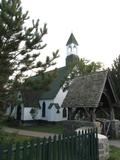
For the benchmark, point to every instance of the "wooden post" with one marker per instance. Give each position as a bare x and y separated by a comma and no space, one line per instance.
69,113
112,113
1,152
92,114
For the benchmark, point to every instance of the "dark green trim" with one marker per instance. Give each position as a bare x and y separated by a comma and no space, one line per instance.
54,104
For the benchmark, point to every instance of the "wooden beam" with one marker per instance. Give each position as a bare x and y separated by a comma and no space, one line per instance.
93,114
69,113
112,113
107,114
87,113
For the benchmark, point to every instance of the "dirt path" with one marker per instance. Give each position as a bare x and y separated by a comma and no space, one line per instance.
27,133
115,143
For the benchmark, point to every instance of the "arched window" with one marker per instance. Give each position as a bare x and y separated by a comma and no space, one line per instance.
69,49
75,49
64,113
43,109
19,109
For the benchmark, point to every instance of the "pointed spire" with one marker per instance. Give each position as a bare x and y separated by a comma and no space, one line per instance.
72,40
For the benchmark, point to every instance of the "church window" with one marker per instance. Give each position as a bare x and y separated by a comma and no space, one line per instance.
58,111
43,109
19,96
64,113
75,49
19,109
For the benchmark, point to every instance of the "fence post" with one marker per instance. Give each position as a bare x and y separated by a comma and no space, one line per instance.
82,142
63,147
10,153
25,150
47,148
38,149
1,152
31,150
85,148
54,148
50,148
75,145
89,144
79,145
68,148
92,144
17,151
43,149
59,148
97,147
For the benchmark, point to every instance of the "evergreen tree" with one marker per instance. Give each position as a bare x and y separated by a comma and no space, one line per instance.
115,72
19,47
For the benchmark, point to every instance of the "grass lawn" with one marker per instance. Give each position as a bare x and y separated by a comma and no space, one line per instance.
46,127
41,127
114,153
7,138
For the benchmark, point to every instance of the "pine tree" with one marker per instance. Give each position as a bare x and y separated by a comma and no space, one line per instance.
20,47
115,72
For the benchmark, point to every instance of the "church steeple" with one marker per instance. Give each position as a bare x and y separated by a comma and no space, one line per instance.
72,40
72,46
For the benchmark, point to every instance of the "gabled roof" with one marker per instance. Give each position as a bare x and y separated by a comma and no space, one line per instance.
86,91
33,96
72,40
55,85
30,98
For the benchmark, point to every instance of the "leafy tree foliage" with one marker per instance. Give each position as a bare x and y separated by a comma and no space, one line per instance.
81,67
20,47
115,72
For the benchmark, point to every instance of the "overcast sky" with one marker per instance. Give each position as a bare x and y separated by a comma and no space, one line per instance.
94,23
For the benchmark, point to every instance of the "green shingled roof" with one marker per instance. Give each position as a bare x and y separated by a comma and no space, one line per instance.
72,40
31,97
55,85
51,90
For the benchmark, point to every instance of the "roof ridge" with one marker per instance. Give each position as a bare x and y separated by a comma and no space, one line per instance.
92,73
86,90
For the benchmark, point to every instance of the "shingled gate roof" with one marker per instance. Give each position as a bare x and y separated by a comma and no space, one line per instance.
86,91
